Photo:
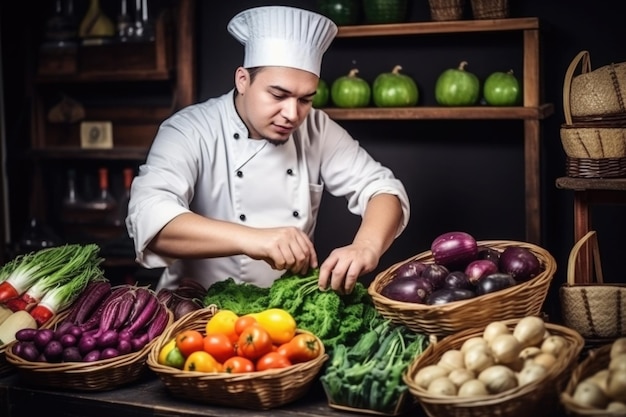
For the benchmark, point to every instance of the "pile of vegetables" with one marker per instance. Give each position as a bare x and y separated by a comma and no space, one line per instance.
241,344
368,374
37,286
460,270
334,318
498,360
605,389
187,297
105,322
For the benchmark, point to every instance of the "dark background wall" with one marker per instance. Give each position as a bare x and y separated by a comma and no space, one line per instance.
461,175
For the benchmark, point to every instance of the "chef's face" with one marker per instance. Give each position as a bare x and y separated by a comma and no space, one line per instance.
275,101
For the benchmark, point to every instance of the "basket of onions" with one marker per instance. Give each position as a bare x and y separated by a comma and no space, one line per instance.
461,283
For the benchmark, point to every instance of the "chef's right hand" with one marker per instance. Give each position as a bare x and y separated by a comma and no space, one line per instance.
286,248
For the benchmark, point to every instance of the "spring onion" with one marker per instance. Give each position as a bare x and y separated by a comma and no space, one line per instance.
58,298
77,257
33,267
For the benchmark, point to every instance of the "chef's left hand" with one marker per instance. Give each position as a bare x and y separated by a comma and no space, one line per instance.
341,270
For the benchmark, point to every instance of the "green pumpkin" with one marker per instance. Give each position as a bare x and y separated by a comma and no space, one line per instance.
502,89
457,87
322,95
393,89
385,11
350,91
342,12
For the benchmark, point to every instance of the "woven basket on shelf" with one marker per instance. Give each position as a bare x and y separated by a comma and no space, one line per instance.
443,10
102,375
595,145
596,310
595,95
596,360
521,300
260,390
490,9
539,398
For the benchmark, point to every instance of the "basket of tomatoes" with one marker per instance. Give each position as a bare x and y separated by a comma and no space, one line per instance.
257,361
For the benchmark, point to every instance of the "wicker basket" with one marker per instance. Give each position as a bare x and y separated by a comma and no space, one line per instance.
260,390
102,375
595,168
490,9
443,10
523,299
595,310
596,360
6,367
597,94
595,143
539,398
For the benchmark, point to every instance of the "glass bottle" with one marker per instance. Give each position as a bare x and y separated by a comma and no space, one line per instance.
124,25
96,24
122,204
72,199
105,200
61,27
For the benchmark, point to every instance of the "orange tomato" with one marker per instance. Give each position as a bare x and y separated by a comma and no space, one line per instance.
302,348
238,365
223,322
201,361
189,341
254,342
219,346
272,360
243,322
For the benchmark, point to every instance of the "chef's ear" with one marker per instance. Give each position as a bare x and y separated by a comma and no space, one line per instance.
242,80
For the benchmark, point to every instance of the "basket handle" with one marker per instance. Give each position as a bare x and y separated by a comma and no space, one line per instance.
591,239
567,83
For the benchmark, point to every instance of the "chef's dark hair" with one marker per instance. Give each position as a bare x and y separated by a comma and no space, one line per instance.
253,71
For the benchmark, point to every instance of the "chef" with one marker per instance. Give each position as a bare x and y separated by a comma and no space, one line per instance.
232,186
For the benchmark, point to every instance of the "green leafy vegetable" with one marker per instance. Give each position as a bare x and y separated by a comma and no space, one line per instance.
241,298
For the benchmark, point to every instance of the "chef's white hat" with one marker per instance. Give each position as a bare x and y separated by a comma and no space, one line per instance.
283,36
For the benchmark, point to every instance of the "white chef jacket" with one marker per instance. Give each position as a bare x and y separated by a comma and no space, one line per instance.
203,161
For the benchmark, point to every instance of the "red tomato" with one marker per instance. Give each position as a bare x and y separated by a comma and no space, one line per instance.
189,341
219,346
302,348
243,322
237,365
272,360
254,342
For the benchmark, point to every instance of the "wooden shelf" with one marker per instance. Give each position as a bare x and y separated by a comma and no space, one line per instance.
133,85
531,111
411,113
589,192
591,184
425,28
116,154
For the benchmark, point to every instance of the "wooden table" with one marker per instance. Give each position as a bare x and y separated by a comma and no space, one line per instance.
147,397
587,193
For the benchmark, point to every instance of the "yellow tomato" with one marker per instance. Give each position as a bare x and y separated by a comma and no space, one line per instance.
201,361
279,323
223,322
170,355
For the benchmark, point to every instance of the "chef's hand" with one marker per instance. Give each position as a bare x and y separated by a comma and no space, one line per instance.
283,248
345,265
